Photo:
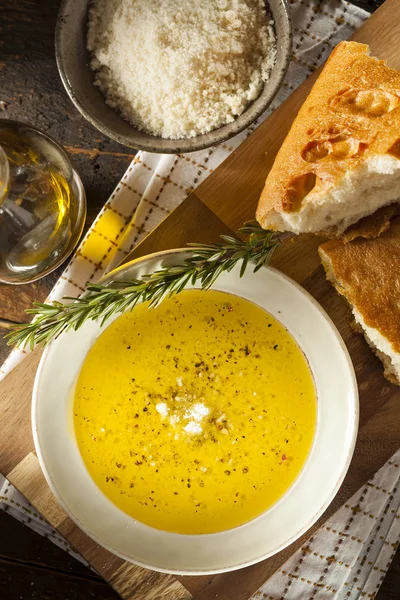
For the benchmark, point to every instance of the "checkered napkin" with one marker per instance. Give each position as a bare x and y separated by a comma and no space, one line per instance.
348,557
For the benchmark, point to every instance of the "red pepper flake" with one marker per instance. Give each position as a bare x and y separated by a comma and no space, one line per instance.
284,457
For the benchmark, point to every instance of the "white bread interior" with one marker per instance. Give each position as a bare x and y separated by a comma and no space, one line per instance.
382,348
359,193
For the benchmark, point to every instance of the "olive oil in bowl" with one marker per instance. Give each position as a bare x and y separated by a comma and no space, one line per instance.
197,416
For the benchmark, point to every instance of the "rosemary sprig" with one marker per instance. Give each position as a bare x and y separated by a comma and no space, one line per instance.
204,264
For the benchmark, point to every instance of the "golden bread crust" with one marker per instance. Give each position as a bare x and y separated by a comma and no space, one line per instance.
373,225
366,272
351,114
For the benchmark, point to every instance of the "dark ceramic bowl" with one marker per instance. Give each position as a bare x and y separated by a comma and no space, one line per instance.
73,64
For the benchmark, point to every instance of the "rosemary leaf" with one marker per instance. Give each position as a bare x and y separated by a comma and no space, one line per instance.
204,264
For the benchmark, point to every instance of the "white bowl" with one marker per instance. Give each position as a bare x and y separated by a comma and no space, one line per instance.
264,536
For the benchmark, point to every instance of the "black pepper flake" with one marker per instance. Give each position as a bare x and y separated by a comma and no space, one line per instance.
227,472
145,409
128,347
276,347
245,470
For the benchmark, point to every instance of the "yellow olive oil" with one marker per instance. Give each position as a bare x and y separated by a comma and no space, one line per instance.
41,216
196,416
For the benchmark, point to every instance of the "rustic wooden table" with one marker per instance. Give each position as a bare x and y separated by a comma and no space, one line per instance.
30,90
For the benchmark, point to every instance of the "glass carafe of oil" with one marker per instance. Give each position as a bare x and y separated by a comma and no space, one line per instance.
42,204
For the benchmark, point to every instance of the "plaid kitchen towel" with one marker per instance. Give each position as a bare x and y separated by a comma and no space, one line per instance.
348,557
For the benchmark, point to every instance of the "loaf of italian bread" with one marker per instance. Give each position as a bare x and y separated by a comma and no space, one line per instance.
366,273
341,159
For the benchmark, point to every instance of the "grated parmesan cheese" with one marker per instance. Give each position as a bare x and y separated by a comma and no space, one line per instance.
197,412
162,408
193,427
178,69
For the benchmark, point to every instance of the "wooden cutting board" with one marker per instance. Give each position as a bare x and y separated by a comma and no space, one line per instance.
221,204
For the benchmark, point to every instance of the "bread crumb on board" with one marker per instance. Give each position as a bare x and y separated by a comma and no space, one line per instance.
177,69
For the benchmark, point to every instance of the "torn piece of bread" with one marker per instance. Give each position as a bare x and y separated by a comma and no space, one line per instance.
373,225
366,272
341,158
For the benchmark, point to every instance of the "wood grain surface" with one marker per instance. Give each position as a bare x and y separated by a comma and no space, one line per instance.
102,162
